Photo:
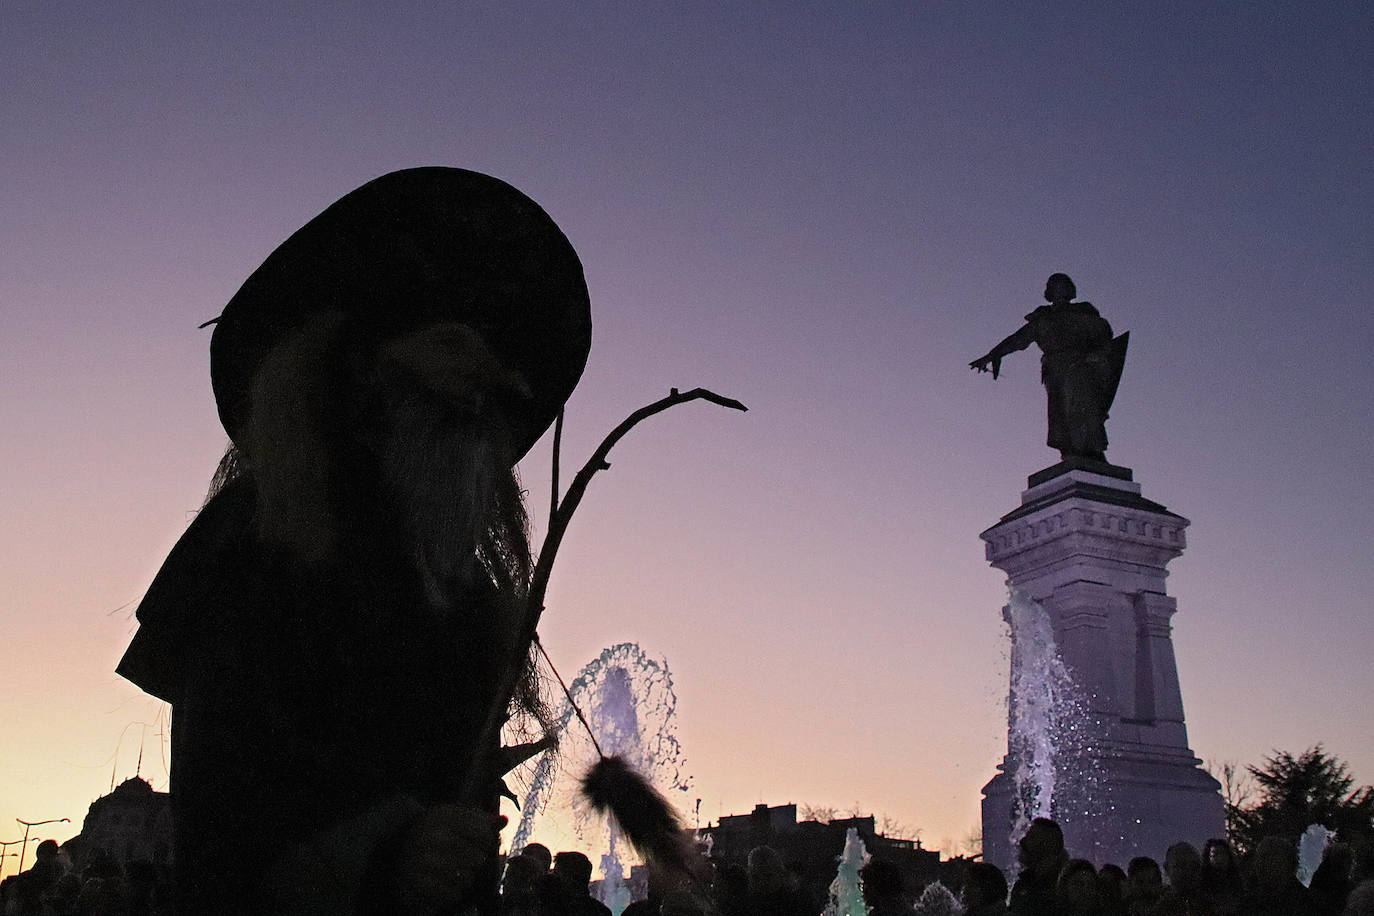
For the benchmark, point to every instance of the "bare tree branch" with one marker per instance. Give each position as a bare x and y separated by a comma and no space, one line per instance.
822,813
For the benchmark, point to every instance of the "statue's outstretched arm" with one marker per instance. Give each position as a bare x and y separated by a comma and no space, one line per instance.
1010,344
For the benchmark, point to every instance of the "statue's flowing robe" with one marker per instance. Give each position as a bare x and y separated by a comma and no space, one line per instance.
1078,372
303,695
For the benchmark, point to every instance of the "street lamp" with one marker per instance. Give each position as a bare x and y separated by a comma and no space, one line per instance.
27,825
5,852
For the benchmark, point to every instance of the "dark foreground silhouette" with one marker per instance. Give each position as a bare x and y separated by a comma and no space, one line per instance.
1214,882
338,631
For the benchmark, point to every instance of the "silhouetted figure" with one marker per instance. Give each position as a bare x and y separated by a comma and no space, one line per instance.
1144,885
1042,858
883,889
521,887
1184,895
539,853
662,883
1332,882
47,867
651,905
685,903
1362,856
985,890
336,625
1080,367
771,888
574,873
549,888
1221,879
1275,889
1361,900
25,896
1111,879
1078,889
731,890
64,893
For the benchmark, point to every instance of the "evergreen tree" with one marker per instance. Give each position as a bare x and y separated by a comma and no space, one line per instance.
1296,792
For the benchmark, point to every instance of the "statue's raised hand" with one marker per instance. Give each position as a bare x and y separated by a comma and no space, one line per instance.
986,363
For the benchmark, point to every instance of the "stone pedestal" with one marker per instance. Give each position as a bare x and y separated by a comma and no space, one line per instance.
1091,550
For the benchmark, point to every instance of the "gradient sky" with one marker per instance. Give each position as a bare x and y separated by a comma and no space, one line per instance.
823,209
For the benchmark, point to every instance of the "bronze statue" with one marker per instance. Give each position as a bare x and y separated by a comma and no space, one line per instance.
1080,367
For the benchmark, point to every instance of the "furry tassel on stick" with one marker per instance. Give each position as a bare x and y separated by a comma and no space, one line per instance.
645,816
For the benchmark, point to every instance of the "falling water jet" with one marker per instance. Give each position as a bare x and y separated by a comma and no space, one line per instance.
1051,732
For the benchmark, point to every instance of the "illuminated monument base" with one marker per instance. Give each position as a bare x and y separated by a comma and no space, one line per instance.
1089,549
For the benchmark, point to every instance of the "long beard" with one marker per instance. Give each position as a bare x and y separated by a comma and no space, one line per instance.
458,504
450,490
451,495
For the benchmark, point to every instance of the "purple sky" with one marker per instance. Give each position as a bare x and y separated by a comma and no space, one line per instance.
823,209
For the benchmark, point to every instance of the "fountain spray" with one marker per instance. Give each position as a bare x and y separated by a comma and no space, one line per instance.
846,891
614,787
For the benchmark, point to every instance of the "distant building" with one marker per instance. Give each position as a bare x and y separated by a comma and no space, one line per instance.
811,849
133,823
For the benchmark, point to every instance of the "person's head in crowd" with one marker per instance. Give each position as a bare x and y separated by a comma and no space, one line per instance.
102,865
732,882
882,883
1078,889
1361,900
1362,856
1042,848
1112,882
539,853
1183,867
1331,882
1218,856
766,872
1144,881
574,872
521,880
984,884
65,892
1274,864
683,903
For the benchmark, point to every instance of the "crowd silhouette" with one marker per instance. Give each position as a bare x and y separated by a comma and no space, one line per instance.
1215,881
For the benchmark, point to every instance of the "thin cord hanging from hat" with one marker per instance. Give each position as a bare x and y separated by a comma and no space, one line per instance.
568,693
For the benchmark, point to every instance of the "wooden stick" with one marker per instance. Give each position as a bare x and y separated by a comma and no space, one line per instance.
479,777
557,448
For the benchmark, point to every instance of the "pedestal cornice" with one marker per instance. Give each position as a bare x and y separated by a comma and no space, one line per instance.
1082,514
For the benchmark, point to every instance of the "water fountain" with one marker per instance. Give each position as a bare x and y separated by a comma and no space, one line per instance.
1051,731
846,891
937,900
1311,847
630,705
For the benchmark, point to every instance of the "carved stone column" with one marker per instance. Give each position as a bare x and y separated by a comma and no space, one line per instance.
1092,551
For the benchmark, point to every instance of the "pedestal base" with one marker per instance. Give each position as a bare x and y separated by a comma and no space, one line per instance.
1144,807
1091,550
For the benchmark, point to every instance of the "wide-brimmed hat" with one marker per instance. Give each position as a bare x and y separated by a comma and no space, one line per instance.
410,250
